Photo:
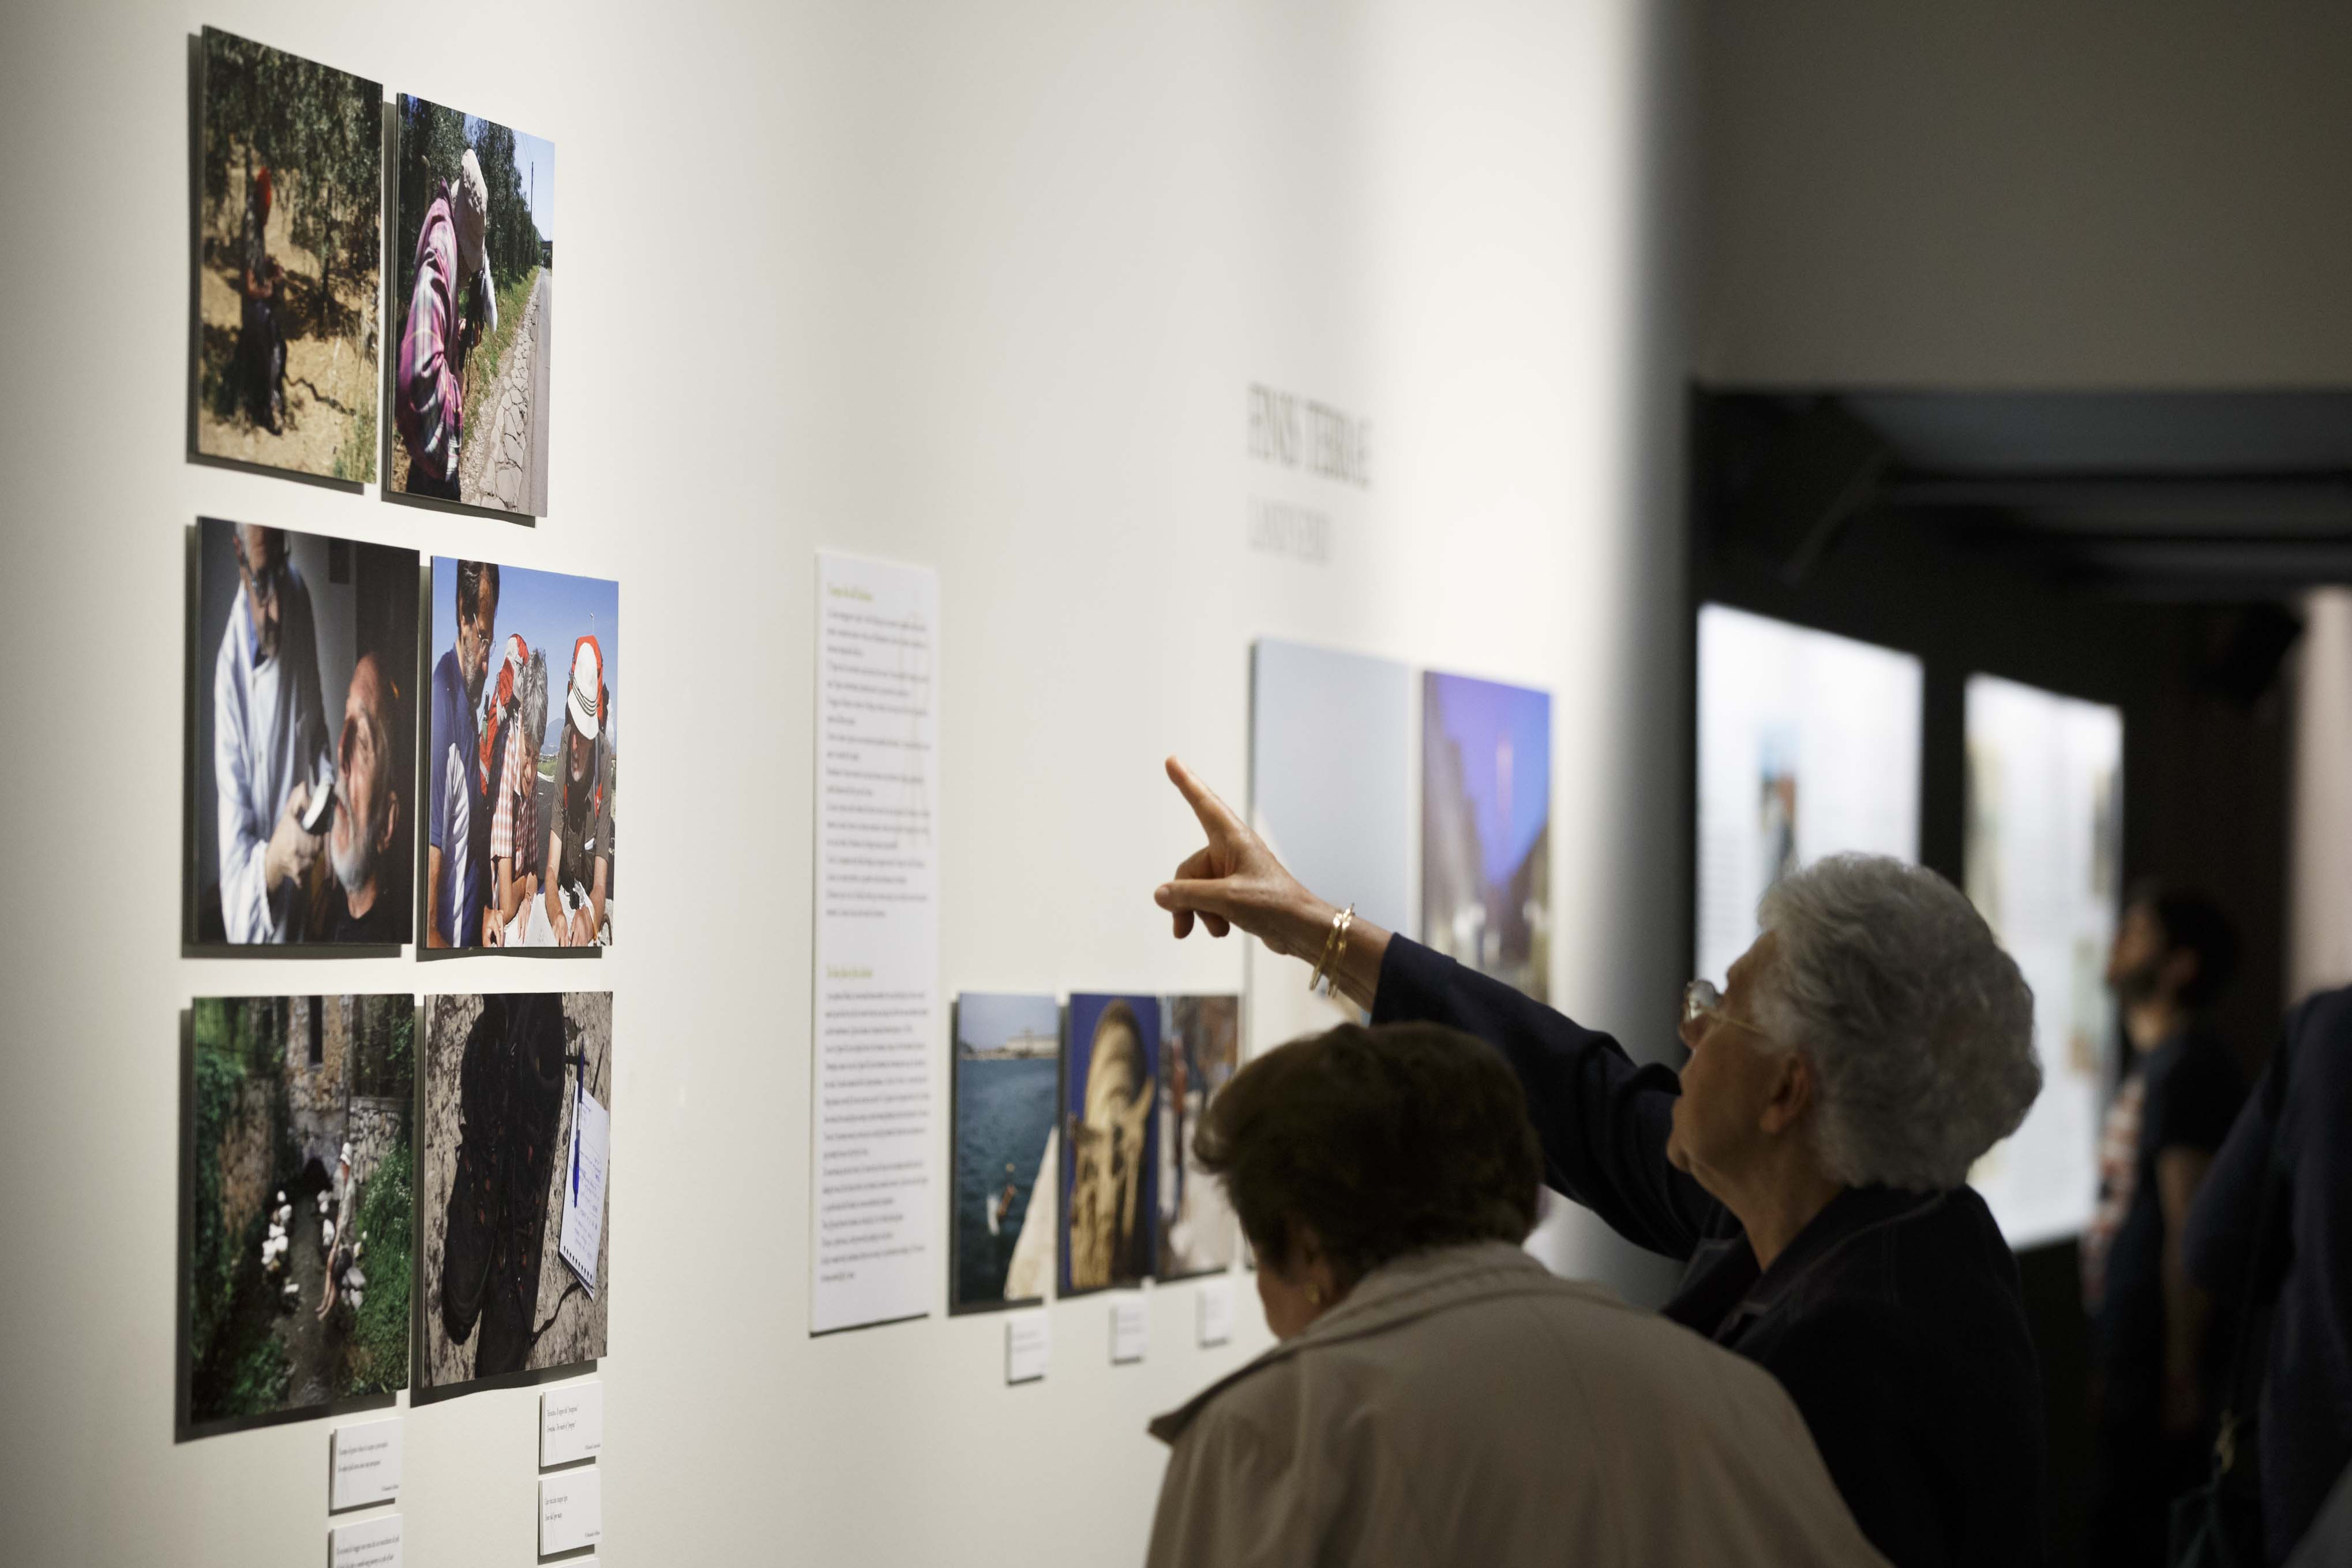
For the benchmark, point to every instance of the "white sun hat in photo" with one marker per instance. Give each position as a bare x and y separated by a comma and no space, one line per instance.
472,202
587,697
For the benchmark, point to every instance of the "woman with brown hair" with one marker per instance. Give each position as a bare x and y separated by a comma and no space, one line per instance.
1437,1395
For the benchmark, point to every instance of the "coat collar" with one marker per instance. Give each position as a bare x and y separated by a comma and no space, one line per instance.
1854,1212
1397,1292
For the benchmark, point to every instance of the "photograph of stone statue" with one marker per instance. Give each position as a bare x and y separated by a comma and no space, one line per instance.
473,259
1110,1140
288,224
302,740
515,1160
1486,826
1200,1049
299,1203
1007,1061
522,759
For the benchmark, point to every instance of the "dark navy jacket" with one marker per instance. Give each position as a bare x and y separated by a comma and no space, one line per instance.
1894,1318
2306,1125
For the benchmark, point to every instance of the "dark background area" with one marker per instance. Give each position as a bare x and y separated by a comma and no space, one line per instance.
2144,551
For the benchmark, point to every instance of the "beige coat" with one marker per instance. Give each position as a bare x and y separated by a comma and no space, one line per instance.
1463,1406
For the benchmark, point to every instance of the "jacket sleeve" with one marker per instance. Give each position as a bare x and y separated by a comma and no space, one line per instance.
2220,1236
1603,1121
247,912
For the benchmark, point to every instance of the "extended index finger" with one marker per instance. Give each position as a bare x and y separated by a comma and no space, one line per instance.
1215,814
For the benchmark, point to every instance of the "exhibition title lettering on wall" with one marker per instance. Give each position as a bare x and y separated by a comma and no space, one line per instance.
1298,432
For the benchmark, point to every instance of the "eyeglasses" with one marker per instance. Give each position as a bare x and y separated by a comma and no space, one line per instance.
264,580
1702,1000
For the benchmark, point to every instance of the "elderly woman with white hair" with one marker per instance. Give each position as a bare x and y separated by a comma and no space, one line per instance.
1809,1165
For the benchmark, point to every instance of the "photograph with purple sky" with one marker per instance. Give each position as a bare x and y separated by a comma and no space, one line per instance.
1486,821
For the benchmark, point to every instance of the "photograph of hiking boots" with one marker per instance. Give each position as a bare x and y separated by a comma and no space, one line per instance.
506,1080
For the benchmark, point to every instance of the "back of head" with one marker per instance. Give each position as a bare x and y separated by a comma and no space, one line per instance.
1383,1141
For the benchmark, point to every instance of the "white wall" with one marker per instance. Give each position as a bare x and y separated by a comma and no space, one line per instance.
980,286
2016,194
2319,891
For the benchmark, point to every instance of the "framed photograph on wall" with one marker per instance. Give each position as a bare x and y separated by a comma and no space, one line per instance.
516,1166
303,725
299,1193
1110,1141
472,266
520,790
1196,1231
1486,826
289,224
1007,1056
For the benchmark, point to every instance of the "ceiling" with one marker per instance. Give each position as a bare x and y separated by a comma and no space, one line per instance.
2221,496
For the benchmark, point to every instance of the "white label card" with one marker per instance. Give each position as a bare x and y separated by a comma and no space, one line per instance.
877,943
583,1187
369,1544
1028,1346
1131,1329
1216,1312
571,1509
366,1456
570,1423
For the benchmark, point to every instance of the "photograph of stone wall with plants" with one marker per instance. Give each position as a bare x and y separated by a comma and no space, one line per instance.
289,226
300,1181
473,252
518,1106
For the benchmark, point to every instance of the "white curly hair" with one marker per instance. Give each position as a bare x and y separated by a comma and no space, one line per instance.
1918,1027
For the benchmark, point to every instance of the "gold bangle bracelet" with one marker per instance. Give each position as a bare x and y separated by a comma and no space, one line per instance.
1347,923
1333,945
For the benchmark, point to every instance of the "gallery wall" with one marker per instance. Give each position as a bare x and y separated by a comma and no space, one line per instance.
984,289
2081,195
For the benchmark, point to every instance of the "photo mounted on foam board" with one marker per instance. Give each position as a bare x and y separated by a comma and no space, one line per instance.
1200,1050
521,761
1330,791
473,296
299,1194
289,204
1110,1139
2043,857
1007,1064
515,1160
1486,826
1808,746
301,737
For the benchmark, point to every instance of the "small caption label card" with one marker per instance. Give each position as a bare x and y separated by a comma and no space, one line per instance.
1131,1329
583,1188
1028,1346
366,1458
369,1544
1216,1312
571,1509
570,1423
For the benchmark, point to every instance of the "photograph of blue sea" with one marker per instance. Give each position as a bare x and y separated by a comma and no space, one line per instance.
1006,1057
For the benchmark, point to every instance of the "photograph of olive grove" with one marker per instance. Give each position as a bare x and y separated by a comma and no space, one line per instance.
300,1177
290,223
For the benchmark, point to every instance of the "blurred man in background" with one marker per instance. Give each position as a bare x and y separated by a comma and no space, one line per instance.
2155,1348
